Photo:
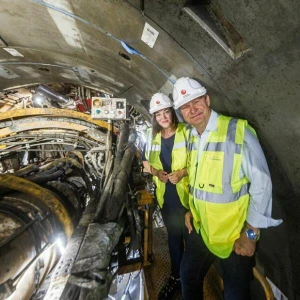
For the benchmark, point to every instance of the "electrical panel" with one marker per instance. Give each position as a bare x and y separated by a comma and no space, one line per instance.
108,108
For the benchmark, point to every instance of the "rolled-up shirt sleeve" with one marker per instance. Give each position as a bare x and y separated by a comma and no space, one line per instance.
255,168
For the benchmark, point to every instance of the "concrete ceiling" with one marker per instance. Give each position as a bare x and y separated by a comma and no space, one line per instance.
245,52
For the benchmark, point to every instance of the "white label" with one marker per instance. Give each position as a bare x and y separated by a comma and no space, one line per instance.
149,35
13,52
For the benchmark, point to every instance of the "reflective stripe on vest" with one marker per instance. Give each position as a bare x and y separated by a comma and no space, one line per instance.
218,197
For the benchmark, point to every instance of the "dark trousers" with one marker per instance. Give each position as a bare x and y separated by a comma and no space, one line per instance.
177,234
237,271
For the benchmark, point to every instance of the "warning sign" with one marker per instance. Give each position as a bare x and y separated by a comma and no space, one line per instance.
149,35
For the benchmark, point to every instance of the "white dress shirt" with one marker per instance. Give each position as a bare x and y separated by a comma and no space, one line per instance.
255,168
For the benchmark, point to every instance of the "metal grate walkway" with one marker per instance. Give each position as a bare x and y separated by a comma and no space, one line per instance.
159,270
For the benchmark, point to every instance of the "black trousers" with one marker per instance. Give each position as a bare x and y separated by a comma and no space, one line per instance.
237,271
177,234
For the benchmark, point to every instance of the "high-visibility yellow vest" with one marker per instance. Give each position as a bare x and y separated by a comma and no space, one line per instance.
179,157
219,198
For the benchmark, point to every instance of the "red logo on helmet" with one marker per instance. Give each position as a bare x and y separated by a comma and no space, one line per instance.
183,92
157,102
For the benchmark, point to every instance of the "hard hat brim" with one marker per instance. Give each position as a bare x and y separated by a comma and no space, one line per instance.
153,110
201,92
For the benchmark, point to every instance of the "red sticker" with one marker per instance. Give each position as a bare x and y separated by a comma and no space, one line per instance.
183,92
157,102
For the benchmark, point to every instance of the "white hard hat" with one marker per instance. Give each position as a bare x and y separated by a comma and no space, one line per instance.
159,101
185,90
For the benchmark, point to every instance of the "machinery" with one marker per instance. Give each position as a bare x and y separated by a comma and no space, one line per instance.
73,217
76,210
59,57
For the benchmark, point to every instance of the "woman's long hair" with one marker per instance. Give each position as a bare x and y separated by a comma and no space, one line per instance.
156,128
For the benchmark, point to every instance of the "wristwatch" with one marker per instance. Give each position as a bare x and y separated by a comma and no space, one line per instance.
252,235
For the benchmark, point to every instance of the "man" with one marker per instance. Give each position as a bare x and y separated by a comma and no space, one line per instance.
230,195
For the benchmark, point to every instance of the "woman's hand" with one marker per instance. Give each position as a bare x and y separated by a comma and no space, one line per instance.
175,176
162,176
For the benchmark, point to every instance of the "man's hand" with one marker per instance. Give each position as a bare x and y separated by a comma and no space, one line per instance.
175,176
243,246
162,176
188,221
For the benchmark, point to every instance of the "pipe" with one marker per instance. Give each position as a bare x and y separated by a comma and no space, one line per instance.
124,133
146,234
26,170
135,224
122,140
40,178
48,92
120,177
115,203
74,164
213,276
264,284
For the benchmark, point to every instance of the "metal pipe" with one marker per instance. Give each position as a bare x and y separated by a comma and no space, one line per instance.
122,140
213,276
43,178
28,169
146,233
120,177
108,177
48,92
264,284
115,204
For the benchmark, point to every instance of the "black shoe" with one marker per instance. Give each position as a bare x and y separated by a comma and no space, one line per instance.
169,290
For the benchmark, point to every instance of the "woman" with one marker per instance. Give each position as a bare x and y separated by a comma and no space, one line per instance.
165,158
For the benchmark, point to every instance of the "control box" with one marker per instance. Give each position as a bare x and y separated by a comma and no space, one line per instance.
108,108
